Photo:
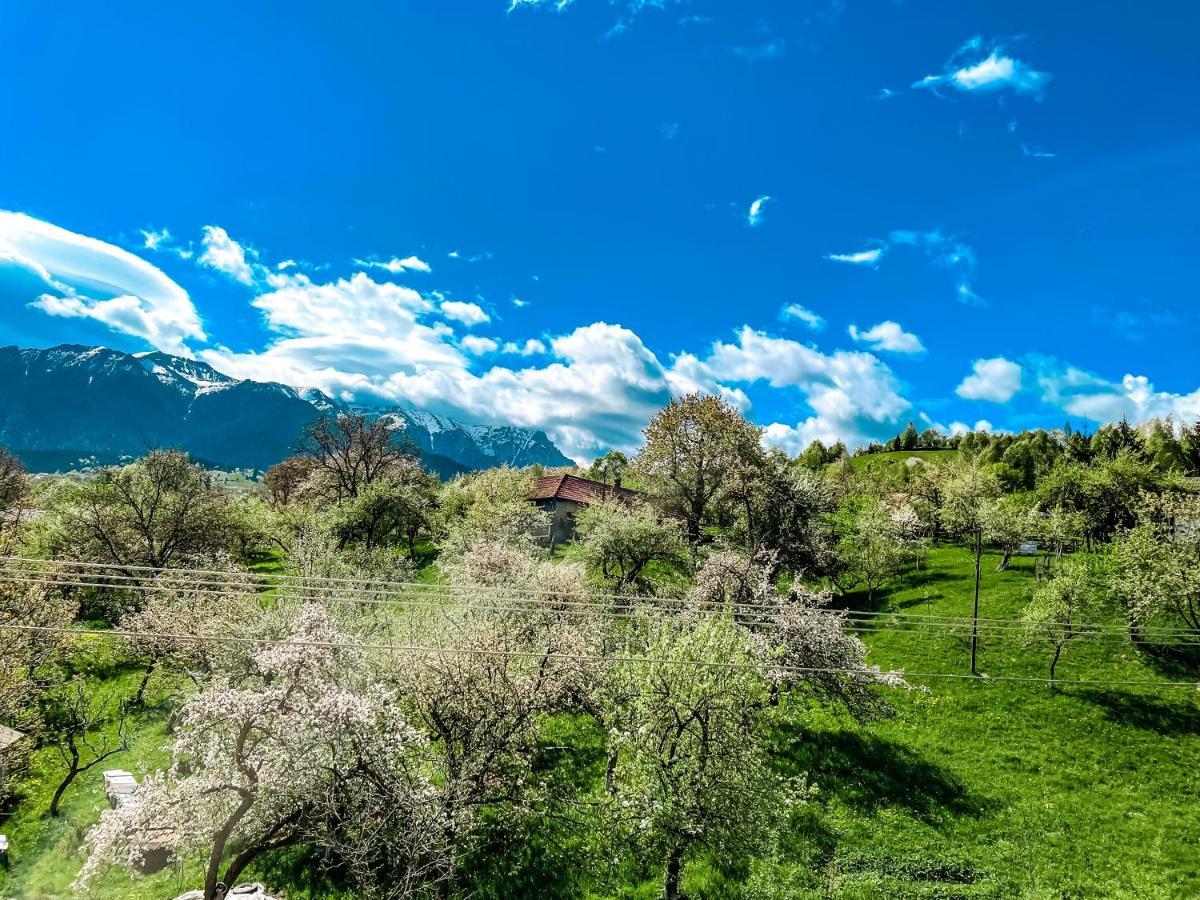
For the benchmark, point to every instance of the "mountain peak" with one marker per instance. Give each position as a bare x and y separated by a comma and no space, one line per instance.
70,405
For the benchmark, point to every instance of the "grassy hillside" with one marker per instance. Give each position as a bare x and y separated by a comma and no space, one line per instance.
875,462
975,788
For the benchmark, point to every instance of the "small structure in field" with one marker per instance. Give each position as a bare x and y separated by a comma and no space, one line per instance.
120,787
250,891
564,495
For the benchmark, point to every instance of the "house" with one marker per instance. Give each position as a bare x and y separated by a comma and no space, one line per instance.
563,495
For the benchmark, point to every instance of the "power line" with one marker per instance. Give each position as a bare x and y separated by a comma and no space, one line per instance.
579,657
867,622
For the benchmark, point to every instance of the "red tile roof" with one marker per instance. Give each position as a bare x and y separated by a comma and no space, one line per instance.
581,490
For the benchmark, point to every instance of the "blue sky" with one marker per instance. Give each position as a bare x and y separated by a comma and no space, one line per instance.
840,215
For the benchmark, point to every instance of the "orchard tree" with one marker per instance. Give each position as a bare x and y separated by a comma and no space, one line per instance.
619,541
286,481
872,544
14,482
162,511
694,449
689,770
802,644
1009,520
397,505
970,491
1063,607
492,505
261,761
349,451
785,508
494,673
1155,566
78,726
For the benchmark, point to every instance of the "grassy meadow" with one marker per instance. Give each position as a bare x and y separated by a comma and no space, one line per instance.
974,788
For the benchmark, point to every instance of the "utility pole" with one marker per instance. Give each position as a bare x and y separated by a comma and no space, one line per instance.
975,614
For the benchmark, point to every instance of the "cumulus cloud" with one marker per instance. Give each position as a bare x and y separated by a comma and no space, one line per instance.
468,314
81,277
852,394
531,347
889,336
979,67
224,254
996,379
859,258
754,216
1087,395
794,312
478,346
395,265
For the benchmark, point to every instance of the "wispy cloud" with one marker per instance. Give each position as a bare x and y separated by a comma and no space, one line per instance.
395,265
859,258
794,312
980,66
1035,152
887,335
754,216
519,303
669,131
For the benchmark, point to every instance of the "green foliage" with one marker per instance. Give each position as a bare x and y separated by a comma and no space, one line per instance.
492,505
619,542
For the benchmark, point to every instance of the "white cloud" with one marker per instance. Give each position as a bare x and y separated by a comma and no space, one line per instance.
755,215
152,240
996,379
1086,395
975,67
531,347
82,277
468,314
479,346
888,335
859,258
223,253
519,303
852,394
797,313
396,265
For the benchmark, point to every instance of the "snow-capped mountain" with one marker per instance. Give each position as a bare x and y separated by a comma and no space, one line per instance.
70,406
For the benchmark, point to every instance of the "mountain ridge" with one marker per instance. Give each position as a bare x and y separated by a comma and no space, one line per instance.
71,405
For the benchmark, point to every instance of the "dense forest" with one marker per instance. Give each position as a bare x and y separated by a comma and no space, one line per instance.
936,667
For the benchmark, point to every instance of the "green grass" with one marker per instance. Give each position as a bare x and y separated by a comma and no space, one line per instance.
888,462
1011,789
973,789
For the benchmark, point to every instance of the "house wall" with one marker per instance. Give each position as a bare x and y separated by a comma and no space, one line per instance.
562,520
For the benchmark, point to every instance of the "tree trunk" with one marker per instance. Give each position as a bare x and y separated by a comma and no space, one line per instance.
62,789
1005,560
1054,663
975,613
674,865
141,691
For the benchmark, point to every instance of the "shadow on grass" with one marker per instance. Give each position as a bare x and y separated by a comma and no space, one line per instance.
1179,662
1142,711
870,772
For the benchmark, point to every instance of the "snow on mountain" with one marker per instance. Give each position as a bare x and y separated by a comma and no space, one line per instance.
69,403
